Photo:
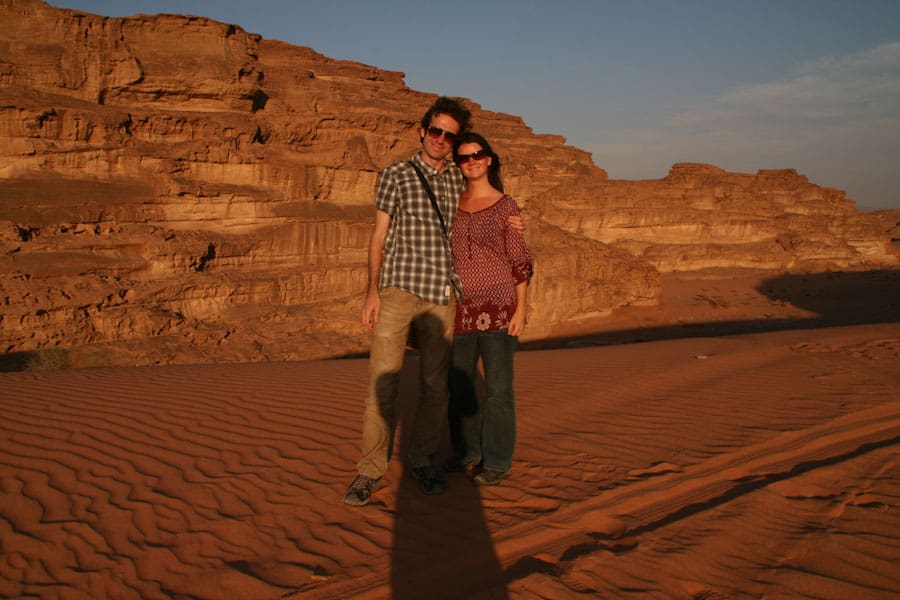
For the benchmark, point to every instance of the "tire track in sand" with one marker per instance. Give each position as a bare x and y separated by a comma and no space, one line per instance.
616,518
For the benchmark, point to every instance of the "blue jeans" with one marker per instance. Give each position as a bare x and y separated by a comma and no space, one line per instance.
487,433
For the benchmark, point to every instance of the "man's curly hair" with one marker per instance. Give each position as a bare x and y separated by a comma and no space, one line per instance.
451,107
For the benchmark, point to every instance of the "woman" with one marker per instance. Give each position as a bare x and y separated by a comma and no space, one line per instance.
495,266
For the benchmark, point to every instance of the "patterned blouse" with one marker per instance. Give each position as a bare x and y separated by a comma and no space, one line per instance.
490,258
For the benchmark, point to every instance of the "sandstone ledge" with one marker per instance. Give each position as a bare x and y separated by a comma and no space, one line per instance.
163,203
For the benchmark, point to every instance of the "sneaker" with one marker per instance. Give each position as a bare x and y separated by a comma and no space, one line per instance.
360,491
430,480
490,477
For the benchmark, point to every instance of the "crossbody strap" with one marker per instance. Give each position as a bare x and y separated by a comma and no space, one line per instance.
454,278
434,203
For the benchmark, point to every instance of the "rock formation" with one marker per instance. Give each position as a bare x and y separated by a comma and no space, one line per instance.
700,216
175,189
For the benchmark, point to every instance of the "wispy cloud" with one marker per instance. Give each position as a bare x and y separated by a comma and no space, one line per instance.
861,89
836,119
879,58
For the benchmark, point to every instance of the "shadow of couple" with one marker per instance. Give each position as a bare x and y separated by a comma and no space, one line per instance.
442,546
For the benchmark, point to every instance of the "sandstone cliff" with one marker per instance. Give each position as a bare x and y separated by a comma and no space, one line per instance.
175,189
700,216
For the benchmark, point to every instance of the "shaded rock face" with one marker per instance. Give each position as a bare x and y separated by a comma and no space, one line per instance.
178,190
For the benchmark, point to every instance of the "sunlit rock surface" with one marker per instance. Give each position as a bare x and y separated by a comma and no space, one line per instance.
175,190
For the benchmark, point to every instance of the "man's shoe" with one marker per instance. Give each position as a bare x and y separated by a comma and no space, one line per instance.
360,491
430,480
490,477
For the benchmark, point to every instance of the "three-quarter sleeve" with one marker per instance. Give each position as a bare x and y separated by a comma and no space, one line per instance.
517,250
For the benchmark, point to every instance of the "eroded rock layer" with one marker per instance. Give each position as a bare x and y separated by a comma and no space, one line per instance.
175,189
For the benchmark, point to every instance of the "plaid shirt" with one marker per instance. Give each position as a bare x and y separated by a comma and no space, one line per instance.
416,255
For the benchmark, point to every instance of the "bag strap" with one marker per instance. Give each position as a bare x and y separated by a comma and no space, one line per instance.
454,278
430,193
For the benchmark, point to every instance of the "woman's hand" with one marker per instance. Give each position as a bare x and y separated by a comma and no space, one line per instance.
517,322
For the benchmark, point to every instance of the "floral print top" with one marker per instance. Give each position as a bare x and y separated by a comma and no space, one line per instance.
491,258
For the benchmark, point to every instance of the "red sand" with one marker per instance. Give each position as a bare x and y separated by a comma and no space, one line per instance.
737,466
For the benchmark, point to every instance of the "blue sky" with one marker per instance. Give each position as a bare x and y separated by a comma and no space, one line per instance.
640,84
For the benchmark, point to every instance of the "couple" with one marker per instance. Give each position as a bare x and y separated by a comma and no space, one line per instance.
417,273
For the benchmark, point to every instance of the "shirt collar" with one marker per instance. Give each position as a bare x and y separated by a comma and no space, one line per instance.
448,164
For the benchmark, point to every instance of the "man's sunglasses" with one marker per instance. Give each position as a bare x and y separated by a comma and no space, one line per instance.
462,159
437,132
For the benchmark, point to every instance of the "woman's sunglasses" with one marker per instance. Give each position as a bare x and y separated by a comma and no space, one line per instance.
462,159
437,132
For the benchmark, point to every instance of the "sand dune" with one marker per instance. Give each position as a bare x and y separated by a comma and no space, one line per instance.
738,466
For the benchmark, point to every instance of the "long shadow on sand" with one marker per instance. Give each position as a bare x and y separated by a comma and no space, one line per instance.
441,545
837,298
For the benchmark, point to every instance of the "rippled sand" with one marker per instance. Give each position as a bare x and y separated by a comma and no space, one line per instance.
736,466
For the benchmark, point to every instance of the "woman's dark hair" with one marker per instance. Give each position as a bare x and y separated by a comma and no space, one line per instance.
448,106
470,137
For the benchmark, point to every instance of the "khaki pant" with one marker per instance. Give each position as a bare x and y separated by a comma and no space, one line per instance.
434,330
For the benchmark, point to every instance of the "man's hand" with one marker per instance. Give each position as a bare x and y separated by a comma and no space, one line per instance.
518,222
371,310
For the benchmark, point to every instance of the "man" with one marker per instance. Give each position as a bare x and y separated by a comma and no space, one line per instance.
411,283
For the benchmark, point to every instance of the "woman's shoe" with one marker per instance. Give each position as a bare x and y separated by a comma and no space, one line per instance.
490,477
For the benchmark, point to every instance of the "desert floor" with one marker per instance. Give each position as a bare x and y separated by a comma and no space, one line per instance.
740,440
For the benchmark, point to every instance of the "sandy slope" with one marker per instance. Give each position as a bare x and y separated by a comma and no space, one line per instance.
738,466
